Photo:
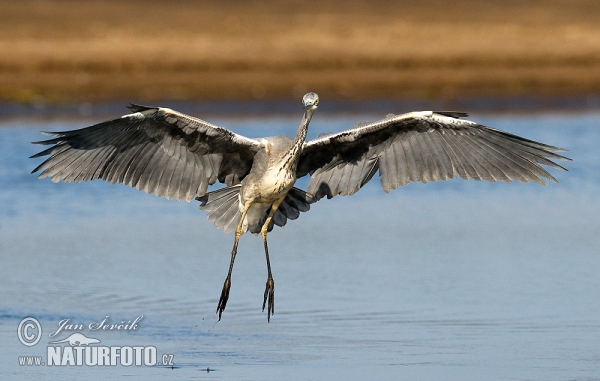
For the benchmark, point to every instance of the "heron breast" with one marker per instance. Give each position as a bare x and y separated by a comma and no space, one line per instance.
275,184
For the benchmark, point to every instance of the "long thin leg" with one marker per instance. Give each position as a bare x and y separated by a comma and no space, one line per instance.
227,284
270,288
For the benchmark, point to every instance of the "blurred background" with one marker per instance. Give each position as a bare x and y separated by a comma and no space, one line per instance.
65,51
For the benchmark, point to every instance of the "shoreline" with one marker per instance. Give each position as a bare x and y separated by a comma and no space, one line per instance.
10,111
60,52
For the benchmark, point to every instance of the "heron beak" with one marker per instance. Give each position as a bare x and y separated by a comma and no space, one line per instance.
310,101
310,105
309,110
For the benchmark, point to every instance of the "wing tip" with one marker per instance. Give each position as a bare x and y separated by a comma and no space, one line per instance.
452,114
140,108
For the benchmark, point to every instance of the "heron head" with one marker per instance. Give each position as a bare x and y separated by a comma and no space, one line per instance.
310,101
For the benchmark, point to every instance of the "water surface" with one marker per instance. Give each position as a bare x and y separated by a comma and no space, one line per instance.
456,280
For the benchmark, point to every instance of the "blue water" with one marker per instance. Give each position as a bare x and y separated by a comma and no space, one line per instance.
456,280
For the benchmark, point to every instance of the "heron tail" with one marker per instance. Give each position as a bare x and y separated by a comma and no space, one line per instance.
295,201
223,208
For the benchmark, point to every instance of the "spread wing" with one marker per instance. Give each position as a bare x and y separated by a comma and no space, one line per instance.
421,146
157,150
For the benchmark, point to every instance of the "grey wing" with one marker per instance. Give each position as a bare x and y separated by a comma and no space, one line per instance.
421,146
157,150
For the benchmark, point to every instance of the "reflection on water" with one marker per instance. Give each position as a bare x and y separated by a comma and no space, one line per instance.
452,280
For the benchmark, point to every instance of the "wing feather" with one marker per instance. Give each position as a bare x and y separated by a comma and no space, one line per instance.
62,160
510,164
157,150
89,171
122,174
403,176
153,171
413,164
487,167
112,167
351,177
137,167
460,161
421,146
525,151
444,170
434,161
421,156
188,176
389,181
336,176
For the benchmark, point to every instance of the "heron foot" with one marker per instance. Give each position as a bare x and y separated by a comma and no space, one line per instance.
224,297
270,295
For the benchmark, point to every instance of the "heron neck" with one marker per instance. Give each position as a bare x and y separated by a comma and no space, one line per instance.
303,128
296,148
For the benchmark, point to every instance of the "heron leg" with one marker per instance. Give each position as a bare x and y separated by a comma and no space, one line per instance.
270,287
227,284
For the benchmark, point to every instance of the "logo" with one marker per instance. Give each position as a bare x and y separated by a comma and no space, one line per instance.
29,331
77,339
79,349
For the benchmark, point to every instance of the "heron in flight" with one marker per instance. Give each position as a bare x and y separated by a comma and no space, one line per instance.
173,155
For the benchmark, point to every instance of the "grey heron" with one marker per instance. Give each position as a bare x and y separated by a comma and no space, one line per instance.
174,155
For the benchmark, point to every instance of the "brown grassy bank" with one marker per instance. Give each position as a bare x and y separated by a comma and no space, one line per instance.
72,51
